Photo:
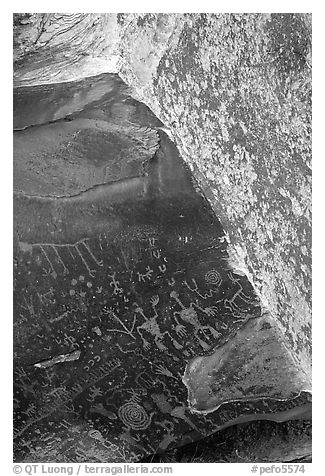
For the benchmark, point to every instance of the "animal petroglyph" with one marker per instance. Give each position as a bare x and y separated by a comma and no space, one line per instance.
239,308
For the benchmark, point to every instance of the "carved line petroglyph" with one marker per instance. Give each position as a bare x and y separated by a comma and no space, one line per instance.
196,290
65,269
143,276
56,246
151,326
90,271
65,396
134,416
111,313
29,306
232,306
177,412
115,283
190,316
66,313
98,262
213,277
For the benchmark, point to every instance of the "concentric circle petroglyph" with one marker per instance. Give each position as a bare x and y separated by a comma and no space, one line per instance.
213,277
134,416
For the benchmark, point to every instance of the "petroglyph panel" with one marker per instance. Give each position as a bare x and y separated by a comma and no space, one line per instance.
113,299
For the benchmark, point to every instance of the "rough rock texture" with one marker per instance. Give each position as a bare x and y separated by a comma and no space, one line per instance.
258,441
230,373
77,146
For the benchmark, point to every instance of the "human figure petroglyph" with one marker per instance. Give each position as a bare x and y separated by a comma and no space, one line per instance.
190,316
96,435
115,284
143,276
151,326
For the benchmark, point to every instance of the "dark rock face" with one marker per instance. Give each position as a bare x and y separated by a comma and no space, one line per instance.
235,90
140,325
117,289
74,148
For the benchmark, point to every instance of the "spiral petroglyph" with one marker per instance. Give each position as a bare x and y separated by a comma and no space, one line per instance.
134,416
213,277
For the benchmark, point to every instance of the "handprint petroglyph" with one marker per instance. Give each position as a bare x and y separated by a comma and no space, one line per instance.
190,316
